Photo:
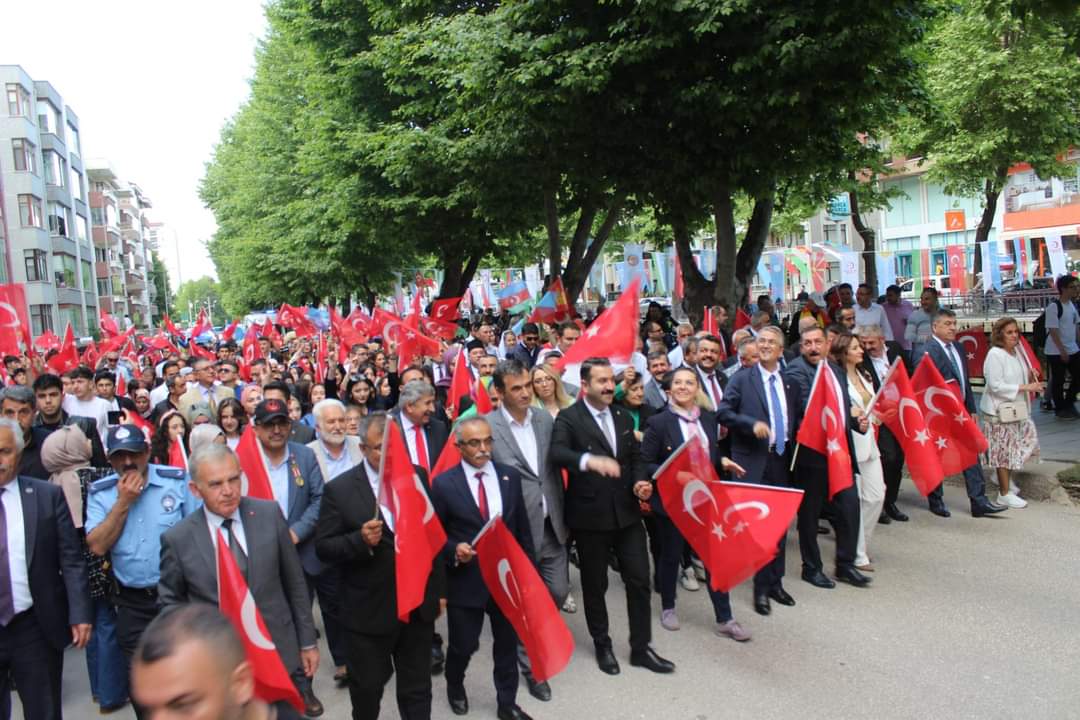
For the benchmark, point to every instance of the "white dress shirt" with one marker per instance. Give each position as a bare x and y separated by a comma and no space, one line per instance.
765,378
606,423
16,542
214,521
407,426
881,366
373,479
279,481
491,487
525,437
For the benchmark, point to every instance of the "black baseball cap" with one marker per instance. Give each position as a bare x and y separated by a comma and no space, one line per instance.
269,410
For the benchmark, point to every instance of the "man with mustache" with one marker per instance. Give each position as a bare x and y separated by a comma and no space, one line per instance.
126,515
595,443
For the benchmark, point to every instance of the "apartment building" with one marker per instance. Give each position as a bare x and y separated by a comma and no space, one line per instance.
44,210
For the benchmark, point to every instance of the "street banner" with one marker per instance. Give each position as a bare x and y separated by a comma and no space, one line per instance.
533,280
776,275
957,259
1056,250
885,262
991,266
1020,248
849,268
633,268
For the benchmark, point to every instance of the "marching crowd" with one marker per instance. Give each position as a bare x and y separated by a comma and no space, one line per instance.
118,482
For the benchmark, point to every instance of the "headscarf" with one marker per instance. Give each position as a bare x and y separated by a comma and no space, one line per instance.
203,435
63,453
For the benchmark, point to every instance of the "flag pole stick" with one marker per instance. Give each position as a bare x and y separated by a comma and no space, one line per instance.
487,526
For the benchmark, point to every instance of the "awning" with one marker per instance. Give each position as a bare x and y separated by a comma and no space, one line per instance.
1038,232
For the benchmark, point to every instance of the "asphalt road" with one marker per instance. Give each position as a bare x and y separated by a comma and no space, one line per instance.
966,618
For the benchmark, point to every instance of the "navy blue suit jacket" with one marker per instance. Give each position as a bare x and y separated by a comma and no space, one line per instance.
947,367
663,436
801,374
745,403
460,518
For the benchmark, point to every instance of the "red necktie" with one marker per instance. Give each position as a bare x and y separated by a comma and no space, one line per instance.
421,447
481,496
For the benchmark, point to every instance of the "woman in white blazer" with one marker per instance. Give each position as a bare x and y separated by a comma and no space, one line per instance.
1005,408
870,479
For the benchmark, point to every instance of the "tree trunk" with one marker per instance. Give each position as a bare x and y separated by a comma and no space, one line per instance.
551,222
726,248
757,233
458,275
697,291
869,239
578,268
991,192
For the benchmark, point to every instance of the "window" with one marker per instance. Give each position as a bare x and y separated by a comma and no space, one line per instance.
59,220
48,117
101,255
75,184
40,318
55,168
30,214
64,270
18,99
25,155
37,268
81,233
103,289
87,275
74,145
97,215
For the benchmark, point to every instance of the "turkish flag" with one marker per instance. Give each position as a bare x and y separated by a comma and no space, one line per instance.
162,342
272,681
227,333
523,598
708,321
199,351
741,319
957,268
254,465
359,321
418,534
201,325
140,422
899,410
829,436
438,328
445,309
108,324
297,319
482,398
68,356
448,458
121,385
177,455
90,354
413,346
1032,358
735,528
48,341
956,436
12,317
270,332
975,348
612,335
385,324
167,324
128,352
460,384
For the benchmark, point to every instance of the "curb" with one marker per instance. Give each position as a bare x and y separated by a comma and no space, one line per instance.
1037,482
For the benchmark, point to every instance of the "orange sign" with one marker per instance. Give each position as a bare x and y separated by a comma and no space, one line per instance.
955,221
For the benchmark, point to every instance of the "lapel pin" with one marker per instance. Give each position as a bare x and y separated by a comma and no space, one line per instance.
29,490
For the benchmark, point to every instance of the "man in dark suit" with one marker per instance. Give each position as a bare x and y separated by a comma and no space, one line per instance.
259,539
522,440
351,537
465,498
595,443
425,437
528,347
948,356
758,407
297,484
711,351
812,473
44,596
878,358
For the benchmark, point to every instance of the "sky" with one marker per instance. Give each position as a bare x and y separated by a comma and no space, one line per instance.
152,83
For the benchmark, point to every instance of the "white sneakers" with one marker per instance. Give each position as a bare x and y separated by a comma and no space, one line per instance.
689,580
1012,500
669,620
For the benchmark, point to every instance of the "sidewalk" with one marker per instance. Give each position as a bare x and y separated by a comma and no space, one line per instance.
1059,440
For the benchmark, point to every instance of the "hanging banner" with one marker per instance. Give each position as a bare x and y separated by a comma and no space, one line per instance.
992,265
776,264
917,284
885,262
1020,248
799,261
633,268
706,261
819,269
849,268
676,274
1056,250
659,272
533,280
957,268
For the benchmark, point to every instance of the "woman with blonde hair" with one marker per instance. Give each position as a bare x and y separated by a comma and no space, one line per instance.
1005,408
548,390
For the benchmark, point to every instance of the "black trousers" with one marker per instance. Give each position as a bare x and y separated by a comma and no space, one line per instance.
1063,399
844,517
135,609
628,544
892,465
327,585
771,575
28,658
372,659
463,639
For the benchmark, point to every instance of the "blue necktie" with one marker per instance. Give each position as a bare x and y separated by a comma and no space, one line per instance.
777,417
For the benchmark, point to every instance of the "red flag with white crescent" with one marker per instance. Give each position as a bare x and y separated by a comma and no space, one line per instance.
418,534
460,384
91,355
612,335
735,528
272,681
68,355
518,590
899,410
177,454
956,436
445,309
828,435
253,465
973,341
227,333
107,323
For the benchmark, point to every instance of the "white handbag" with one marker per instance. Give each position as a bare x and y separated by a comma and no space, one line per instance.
1013,411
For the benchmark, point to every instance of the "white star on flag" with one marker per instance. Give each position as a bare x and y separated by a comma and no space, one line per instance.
718,531
971,356
832,446
960,418
941,443
591,332
921,437
739,527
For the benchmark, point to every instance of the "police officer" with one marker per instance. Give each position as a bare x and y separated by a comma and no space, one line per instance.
126,515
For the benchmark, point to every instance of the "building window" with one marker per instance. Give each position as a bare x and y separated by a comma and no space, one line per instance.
74,146
87,275
103,289
59,220
18,99
40,319
30,214
55,168
97,215
81,232
37,268
101,255
48,117
64,270
76,184
25,155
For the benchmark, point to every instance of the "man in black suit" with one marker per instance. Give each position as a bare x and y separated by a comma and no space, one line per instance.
425,437
350,536
528,347
812,473
465,498
758,406
877,359
948,356
595,443
44,595
711,351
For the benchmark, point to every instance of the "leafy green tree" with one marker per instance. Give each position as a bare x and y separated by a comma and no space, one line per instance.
159,276
195,295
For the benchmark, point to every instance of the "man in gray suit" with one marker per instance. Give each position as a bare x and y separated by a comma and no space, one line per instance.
659,366
259,539
522,438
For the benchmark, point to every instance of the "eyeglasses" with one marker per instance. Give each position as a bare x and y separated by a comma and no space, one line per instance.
477,443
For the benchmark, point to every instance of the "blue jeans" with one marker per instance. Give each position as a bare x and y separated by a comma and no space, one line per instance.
104,660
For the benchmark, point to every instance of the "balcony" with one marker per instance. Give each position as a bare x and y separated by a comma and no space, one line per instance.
101,270
134,283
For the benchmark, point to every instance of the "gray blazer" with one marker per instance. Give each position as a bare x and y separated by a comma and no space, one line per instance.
275,578
352,446
655,397
546,483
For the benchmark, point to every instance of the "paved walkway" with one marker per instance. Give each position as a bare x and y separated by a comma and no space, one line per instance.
1059,440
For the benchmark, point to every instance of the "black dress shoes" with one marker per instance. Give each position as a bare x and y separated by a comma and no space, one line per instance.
781,596
884,519
818,579
822,530
605,660
649,660
438,659
761,604
894,513
940,510
459,701
851,576
539,690
512,712
986,508
313,708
